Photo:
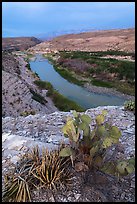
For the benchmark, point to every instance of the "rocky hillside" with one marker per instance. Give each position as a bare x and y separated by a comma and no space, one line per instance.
122,40
19,43
19,93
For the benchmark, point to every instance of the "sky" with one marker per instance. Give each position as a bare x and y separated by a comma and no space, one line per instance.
40,18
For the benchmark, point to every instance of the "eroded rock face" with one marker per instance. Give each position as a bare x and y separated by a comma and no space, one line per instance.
19,43
17,83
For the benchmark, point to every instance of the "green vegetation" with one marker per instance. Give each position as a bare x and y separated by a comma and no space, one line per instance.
37,97
84,54
61,102
124,87
110,73
68,75
35,75
28,66
130,105
26,113
97,82
30,56
122,68
90,147
35,171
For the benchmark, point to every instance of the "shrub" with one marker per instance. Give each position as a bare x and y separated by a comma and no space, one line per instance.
37,97
43,84
26,113
93,143
130,105
35,74
97,82
36,171
28,66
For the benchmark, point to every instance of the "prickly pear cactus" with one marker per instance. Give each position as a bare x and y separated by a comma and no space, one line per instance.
94,143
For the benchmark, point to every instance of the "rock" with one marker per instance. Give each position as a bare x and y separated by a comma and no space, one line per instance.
77,196
80,166
44,130
132,184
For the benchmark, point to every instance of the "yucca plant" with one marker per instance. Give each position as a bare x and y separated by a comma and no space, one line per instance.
36,171
17,188
17,184
53,170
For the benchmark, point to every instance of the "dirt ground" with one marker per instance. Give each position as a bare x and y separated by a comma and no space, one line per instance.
90,187
121,39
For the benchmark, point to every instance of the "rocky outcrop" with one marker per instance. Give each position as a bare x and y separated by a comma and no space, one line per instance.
20,134
19,43
17,87
45,129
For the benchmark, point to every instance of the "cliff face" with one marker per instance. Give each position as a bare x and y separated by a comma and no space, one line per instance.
17,87
19,43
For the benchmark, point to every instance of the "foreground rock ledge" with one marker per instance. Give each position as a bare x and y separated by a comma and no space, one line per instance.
22,133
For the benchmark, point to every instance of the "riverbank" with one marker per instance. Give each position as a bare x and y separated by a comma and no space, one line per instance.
70,64
109,91
61,102
19,94
78,94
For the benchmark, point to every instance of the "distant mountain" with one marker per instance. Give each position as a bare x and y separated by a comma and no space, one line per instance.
50,35
19,43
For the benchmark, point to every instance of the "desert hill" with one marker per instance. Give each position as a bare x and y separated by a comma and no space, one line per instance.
19,43
121,39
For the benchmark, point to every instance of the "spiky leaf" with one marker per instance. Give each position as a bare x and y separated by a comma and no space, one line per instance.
121,167
132,161
107,142
86,131
104,112
66,135
98,161
109,168
101,131
107,126
92,134
65,152
70,130
75,114
115,132
93,150
100,119
67,127
85,118
83,126
130,168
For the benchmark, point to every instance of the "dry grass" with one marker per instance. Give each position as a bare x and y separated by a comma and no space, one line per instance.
35,171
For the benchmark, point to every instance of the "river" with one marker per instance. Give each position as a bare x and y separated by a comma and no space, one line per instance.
80,95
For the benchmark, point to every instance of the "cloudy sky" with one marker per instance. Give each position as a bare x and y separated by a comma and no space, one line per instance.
34,18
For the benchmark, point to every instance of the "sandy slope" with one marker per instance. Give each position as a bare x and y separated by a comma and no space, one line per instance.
121,39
